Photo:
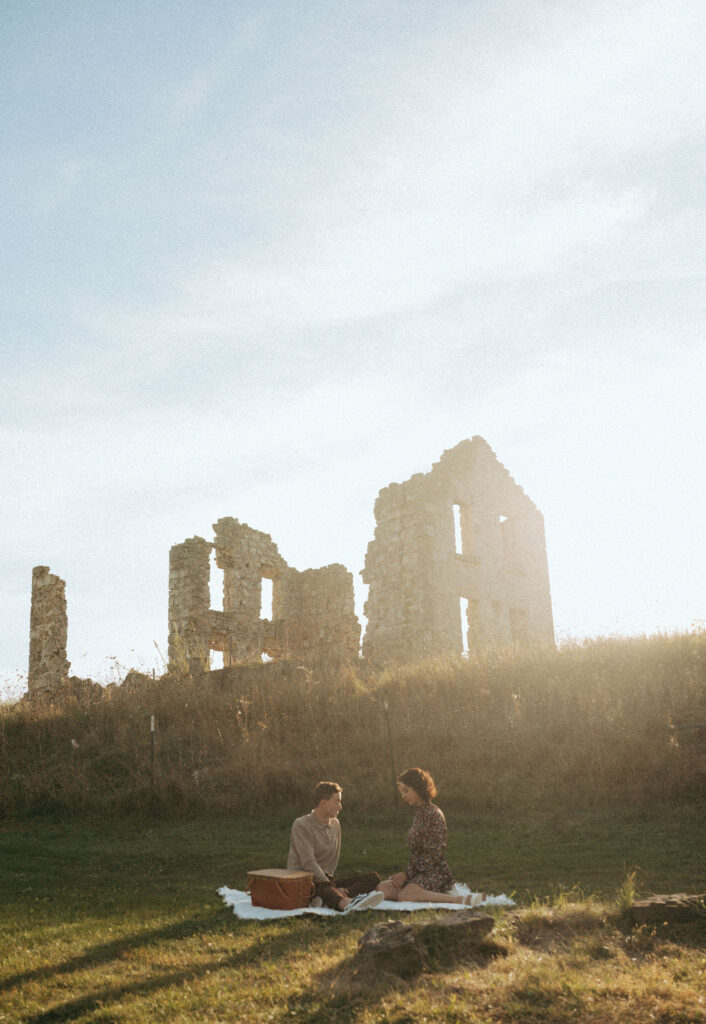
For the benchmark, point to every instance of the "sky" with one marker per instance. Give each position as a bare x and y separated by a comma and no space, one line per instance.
262,259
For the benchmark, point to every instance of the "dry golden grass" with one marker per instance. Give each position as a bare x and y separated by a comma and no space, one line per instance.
584,724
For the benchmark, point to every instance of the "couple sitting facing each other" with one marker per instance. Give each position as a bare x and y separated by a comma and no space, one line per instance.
315,846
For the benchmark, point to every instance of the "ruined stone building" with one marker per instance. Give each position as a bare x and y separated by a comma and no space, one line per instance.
48,627
459,550
458,561
313,612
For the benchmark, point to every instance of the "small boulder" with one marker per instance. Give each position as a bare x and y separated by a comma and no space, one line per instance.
677,908
391,946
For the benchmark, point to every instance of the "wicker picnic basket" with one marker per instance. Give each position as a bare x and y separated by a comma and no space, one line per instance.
278,889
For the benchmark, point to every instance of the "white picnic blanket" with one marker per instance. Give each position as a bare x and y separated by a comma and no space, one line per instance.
243,908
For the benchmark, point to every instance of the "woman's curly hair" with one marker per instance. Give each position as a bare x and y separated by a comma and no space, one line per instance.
420,781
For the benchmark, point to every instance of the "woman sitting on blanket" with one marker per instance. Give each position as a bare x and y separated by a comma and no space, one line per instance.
427,878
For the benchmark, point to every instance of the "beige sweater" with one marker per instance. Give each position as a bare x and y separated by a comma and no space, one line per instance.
314,847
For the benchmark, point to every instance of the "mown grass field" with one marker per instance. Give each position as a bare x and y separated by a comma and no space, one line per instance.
120,921
561,772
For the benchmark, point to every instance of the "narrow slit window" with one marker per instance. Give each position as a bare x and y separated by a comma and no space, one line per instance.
266,599
457,530
216,585
464,626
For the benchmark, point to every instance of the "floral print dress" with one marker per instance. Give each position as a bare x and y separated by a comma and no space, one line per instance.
427,842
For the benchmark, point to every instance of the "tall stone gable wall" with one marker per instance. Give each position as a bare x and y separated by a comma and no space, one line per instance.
48,629
313,613
417,576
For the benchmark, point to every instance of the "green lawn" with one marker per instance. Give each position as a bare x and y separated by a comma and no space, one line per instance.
120,921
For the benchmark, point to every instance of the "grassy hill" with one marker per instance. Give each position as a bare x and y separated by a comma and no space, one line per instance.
590,724
567,778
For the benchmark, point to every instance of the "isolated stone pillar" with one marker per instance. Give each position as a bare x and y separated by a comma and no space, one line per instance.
48,628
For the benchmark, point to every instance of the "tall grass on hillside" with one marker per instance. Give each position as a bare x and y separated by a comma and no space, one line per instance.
589,724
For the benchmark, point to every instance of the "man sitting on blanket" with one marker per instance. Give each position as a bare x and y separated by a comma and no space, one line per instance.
315,845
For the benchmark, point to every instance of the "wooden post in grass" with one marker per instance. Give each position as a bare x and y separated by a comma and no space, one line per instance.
152,752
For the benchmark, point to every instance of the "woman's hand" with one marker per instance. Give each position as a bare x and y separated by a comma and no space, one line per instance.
398,881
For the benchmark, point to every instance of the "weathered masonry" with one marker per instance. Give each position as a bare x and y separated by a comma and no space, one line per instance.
459,554
312,615
458,562
48,628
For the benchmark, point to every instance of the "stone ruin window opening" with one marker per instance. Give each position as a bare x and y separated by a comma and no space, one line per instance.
216,660
216,584
465,623
458,532
463,529
266,598
362,590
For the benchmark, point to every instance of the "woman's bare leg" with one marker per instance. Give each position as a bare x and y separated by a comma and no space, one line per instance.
387,888
414,893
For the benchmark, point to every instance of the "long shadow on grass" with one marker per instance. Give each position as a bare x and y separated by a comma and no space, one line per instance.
342,991
107,951
301,936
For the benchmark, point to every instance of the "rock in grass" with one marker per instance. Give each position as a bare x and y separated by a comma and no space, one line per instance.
678,908
392,947
469,923
404,950
458,938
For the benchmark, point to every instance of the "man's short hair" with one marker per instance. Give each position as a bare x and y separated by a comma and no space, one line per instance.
324,790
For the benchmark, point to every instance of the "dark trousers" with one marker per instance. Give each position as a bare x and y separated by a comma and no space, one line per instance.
336,889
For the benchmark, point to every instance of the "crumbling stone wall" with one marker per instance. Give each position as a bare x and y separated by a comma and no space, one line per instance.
189,604
312,612
246,557
425,592
417,577
48,629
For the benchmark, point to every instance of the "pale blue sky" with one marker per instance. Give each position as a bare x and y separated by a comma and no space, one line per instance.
261,259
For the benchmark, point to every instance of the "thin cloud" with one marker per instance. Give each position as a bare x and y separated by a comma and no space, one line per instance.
190,97
307,257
